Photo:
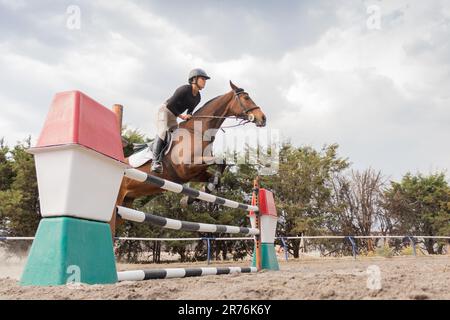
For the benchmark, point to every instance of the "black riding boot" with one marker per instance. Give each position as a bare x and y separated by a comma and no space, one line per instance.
157,155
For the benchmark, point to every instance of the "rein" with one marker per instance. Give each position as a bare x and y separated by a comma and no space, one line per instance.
242,122
244,113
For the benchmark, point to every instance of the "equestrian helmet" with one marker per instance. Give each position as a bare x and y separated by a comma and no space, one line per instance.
197,73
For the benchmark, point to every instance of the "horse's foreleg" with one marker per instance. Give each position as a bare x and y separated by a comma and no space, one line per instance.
202,177
211,180
127,203
115,220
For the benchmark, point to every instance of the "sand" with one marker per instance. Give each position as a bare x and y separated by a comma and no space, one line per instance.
426,277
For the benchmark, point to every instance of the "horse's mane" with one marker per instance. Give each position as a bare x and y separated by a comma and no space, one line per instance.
206,104
238,90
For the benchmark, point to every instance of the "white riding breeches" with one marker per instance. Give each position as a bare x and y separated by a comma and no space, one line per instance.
165,120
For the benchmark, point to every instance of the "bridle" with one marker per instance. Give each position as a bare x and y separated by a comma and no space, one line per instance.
245,111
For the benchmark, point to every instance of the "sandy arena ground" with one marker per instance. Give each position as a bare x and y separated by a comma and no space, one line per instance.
307,278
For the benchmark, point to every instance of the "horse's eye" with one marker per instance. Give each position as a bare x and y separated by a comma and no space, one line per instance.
247,98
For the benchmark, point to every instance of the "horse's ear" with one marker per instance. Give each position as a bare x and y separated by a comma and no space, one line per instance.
233,86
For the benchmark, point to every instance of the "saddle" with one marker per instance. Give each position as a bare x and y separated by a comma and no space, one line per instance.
143,152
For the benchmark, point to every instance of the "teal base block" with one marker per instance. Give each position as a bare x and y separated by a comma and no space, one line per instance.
268,257
68,249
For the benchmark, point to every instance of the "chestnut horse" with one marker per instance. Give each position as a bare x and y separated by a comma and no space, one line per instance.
205,122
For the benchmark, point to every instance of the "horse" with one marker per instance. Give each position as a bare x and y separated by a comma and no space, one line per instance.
210,117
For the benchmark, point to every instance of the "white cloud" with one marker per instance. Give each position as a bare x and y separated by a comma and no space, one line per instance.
13,4
316,70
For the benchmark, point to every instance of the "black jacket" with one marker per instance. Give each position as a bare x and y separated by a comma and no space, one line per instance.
182,100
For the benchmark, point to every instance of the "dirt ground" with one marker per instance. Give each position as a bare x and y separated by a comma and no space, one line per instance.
423,277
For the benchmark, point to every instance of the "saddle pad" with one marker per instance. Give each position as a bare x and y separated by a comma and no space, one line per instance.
140,158
146,154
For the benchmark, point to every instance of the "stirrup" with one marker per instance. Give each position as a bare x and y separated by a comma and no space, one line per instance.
157,167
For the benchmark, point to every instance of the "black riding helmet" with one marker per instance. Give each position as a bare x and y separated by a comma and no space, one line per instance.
197,73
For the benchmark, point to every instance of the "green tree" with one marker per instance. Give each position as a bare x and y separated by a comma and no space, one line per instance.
303,188
19,201
420,205
132,136
6,170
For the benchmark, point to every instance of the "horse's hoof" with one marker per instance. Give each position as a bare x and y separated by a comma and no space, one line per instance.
184,202
211,187
157,170
157,167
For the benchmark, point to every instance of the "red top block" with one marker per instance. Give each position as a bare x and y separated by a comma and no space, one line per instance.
76,118
266,203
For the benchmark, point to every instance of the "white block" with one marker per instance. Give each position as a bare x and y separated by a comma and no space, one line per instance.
268,228
76,181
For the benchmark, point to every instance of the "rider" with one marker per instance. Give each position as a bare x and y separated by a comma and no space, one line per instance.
186,97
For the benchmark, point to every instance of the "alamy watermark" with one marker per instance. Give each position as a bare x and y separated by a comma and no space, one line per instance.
73,21
254,146
373,21
74,277
373,277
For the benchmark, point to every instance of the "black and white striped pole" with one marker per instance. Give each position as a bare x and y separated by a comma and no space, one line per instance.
147,274
166,223
178,188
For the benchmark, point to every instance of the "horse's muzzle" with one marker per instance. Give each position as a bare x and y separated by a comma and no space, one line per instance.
259,122
262,122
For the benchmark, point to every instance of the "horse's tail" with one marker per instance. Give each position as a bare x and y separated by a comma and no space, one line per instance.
125,142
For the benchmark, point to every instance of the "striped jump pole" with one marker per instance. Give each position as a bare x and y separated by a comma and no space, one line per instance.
139,275
178,188
15,238
139,216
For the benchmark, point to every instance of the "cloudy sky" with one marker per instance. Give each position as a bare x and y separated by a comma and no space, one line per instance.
372,76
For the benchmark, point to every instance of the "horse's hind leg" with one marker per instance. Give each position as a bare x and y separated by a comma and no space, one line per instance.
122,200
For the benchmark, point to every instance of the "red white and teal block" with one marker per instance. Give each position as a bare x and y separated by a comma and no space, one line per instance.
269,219
80,165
